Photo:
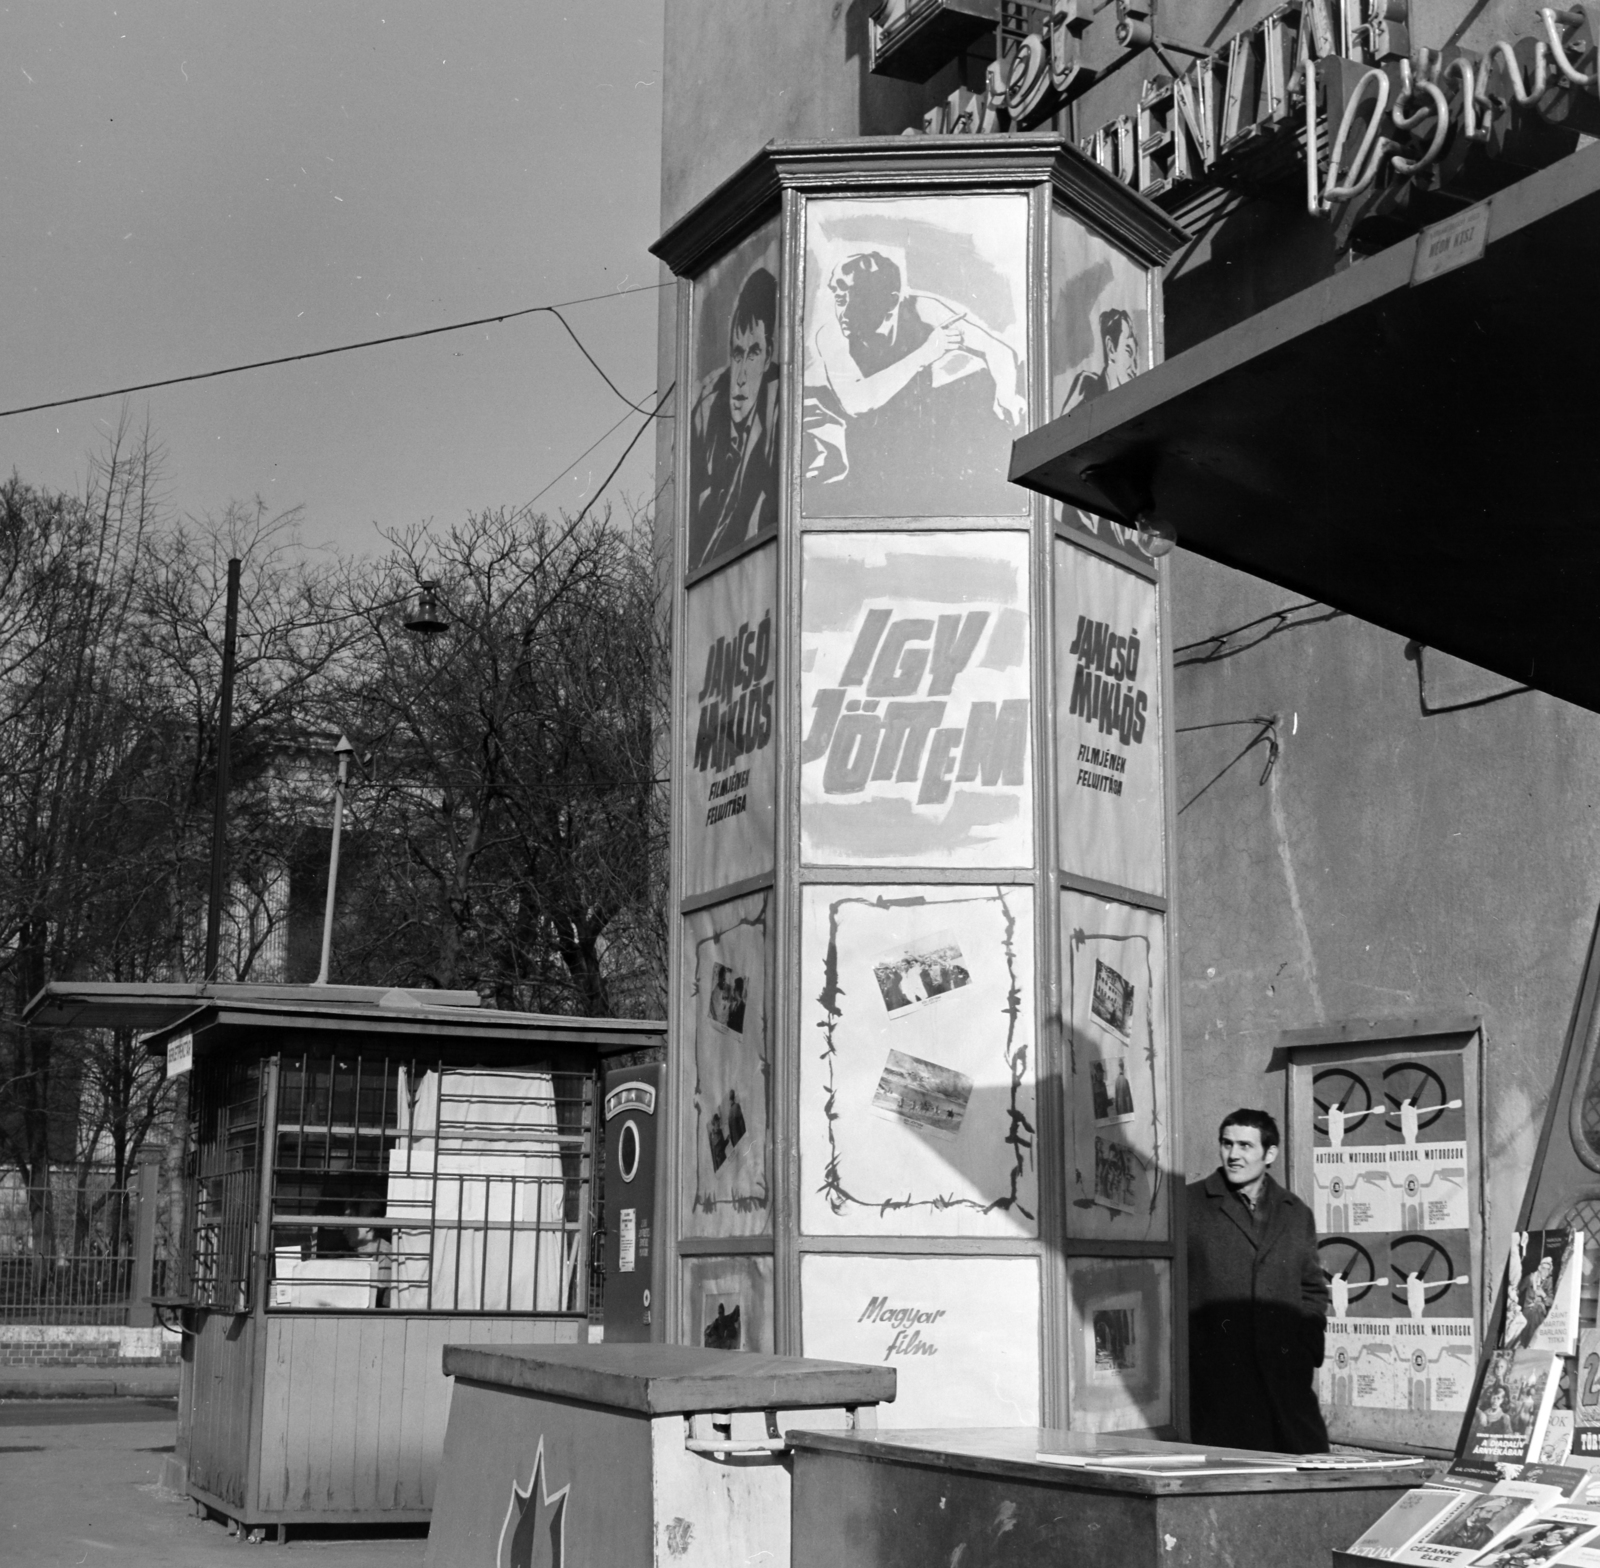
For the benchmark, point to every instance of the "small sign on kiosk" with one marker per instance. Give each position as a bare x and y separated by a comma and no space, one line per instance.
180,1054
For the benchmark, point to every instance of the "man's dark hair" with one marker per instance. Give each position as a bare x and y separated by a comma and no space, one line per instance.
871,284
1113,323
758,302
1260,1120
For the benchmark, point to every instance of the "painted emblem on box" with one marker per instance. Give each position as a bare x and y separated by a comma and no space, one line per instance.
534,1534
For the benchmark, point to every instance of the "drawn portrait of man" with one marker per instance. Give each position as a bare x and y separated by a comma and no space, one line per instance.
1119,360
734,430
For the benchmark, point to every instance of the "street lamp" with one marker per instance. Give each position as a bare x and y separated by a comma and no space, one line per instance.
426,616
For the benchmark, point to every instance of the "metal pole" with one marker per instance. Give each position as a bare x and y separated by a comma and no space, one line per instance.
343,751
219,821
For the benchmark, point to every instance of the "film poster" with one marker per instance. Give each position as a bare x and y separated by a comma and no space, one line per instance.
915,368
727,1071
1120,1343
1114,973
962,1334
1390,1196
735,424
1100,337
916,700
727,1303
728,768
917,1093
1108,723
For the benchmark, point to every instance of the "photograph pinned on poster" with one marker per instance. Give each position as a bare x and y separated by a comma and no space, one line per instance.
912,977
1116,1175
926,1127
1112,1002
723,1314
1111,1090
922,1095
726,1303
725,1006
1116,1351
725,1083
916,699
915,356
735,423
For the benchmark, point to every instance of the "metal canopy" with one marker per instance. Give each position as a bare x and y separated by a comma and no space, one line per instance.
1423,456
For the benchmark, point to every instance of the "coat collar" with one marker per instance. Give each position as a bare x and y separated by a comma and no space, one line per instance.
1273,1198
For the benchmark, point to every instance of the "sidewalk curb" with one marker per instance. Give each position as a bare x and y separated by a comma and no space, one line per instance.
89,1388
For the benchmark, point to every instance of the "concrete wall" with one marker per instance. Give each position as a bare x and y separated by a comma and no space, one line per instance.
1392,863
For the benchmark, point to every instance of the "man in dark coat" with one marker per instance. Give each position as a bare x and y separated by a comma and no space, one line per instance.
1258,1300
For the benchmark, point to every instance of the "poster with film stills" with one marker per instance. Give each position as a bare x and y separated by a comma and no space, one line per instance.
962,1334
735,423
727,1303
1111,805
1115,1006
915,345
727,1069
1100,339
917,1101
728,770
916,700
1119,1339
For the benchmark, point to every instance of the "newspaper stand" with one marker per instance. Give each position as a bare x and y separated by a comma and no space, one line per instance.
632,1455
370,1177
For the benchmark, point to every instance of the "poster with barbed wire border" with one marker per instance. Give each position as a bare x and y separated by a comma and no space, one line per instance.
1110,796
1114,1004
726,1072
917,1081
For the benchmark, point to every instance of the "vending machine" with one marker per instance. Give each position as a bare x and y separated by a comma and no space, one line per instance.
632,1097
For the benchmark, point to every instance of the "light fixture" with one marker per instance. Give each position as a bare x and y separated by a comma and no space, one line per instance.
1126,488
426,617
1157,536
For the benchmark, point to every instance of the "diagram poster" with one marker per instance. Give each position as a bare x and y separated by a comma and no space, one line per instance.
735,423
727,1303
1110,802
1114,972
1390,1196
1119,1333
915,340
727,736
917,1085
726,1074
916,700
962,1334
1100,338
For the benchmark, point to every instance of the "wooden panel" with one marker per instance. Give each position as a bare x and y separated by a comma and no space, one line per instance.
273,1482
223,1405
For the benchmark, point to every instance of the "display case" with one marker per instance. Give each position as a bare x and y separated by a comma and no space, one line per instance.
923,1040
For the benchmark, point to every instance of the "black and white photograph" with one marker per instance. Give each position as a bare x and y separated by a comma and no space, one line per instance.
1116,1342
1111,1090
915,357
725,1006
923,1095
1112,1002
913,976
1116,1174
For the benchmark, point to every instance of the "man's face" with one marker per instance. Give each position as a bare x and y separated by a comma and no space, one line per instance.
1243,1158
748,357
1122,358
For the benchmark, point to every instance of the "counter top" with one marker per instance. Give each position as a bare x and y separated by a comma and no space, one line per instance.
1010,1452
670,1379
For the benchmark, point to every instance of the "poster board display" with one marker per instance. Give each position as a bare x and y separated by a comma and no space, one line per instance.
915,345
1383,1148
1102,335
728,740
735,415
725,1069
1114,1004
915,700
727,1303
1119,1337
1111,806
962,1334
917,1101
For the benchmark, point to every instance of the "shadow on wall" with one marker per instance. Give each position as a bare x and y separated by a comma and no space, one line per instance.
887,107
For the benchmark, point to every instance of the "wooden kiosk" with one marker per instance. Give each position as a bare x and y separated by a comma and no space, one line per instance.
370,1177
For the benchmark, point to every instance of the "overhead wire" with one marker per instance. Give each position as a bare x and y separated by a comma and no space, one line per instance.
349,348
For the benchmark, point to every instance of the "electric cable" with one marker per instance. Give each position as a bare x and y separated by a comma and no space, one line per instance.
347,348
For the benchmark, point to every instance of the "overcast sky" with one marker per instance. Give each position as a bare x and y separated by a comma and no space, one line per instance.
191,185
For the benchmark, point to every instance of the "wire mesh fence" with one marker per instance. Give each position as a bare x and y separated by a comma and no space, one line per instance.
67,1247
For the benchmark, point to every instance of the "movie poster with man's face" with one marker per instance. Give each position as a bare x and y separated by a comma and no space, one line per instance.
1100,339
915,344
916,700
727,735
735,428
725,1075
917,1107
1114,1003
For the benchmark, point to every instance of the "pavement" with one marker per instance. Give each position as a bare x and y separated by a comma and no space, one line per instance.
89,1382
80,1485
